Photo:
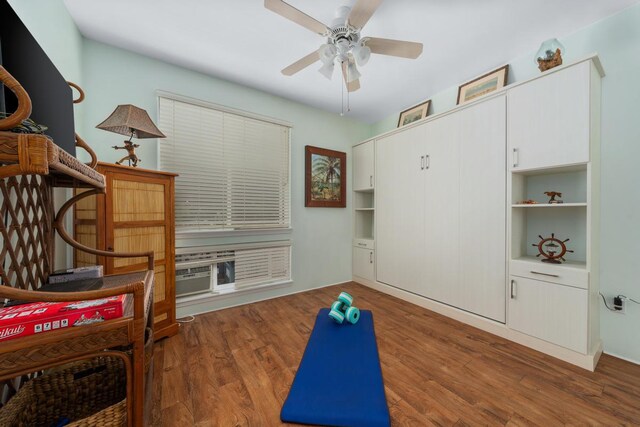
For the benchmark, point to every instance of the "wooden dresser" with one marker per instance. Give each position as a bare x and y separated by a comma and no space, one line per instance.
135,215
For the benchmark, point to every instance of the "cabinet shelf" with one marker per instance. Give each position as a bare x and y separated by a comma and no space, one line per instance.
579,265
547,205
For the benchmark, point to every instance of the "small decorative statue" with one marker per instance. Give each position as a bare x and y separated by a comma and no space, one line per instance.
131,156
553,59
552,249
553,195
549,55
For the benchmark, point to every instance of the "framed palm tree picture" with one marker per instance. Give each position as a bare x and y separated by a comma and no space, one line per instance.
325,178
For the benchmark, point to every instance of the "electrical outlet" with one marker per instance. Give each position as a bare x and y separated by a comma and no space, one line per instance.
619,304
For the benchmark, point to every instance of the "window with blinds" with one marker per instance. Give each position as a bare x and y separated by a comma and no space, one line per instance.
234,170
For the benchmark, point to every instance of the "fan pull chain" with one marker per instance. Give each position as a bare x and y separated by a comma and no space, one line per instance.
341,96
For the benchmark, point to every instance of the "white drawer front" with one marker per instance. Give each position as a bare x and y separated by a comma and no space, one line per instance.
554,273
363,243
554,313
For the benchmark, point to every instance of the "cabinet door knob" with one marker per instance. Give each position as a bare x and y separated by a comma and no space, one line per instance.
513,289
110,249
516,159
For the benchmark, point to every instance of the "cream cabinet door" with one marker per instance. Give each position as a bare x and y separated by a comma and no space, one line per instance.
551,312
363,263
482,236
400,209
363,166
548,120
439,260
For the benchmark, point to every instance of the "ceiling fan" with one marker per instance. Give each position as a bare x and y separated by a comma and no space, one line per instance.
344,44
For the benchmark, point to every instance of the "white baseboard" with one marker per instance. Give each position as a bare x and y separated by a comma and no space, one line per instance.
585,361
622,357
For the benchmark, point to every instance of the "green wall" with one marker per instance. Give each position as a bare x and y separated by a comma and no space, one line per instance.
617,41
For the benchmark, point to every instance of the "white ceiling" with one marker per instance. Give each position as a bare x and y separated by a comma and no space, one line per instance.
241,41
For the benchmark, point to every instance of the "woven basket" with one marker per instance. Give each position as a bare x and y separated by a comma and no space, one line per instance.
94,388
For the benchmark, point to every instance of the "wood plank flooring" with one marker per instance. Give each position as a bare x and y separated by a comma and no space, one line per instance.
234,367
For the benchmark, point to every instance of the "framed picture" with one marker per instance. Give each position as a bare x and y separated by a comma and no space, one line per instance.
483,85
325,178
413,114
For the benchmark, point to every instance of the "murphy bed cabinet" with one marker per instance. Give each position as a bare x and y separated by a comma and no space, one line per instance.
451,233
441,209
136,214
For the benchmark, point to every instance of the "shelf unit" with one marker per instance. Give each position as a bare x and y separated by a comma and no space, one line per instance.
555,149
364,212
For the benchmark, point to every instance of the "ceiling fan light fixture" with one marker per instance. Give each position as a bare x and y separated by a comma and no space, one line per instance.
327,53
327,69
352,72
361,54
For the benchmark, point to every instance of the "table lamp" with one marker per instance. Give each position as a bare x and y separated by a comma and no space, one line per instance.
133,121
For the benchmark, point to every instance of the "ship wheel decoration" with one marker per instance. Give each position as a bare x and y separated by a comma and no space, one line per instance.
552,249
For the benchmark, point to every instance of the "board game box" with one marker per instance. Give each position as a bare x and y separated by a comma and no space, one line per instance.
41,317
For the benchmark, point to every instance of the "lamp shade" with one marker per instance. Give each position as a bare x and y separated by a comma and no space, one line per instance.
361,54
327,53
327,70
352,72
130,120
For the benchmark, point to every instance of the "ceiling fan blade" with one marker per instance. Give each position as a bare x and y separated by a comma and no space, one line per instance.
301,63
391,47
291,13
354,85
362,12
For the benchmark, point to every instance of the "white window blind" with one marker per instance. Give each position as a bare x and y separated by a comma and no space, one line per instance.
260,266
234,170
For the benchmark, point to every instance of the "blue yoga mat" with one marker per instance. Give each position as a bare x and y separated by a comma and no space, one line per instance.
339,381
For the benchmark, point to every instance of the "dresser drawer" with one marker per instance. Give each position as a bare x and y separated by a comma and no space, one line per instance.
363,243
555,273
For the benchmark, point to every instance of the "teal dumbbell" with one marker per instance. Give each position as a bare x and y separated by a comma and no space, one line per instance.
343,309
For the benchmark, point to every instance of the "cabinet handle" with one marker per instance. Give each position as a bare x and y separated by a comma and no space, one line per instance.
370,180
370,257
513,289
544,274
110,249
427,161
516,158
421,163
362,244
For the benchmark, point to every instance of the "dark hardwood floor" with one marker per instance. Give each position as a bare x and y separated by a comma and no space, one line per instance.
234,367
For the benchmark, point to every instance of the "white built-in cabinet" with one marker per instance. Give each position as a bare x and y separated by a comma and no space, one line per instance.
364,211
441,209
363,160
554,136
549,120
450,228
363,263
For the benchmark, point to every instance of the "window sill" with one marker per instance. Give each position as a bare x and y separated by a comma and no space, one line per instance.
195,234
190,300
